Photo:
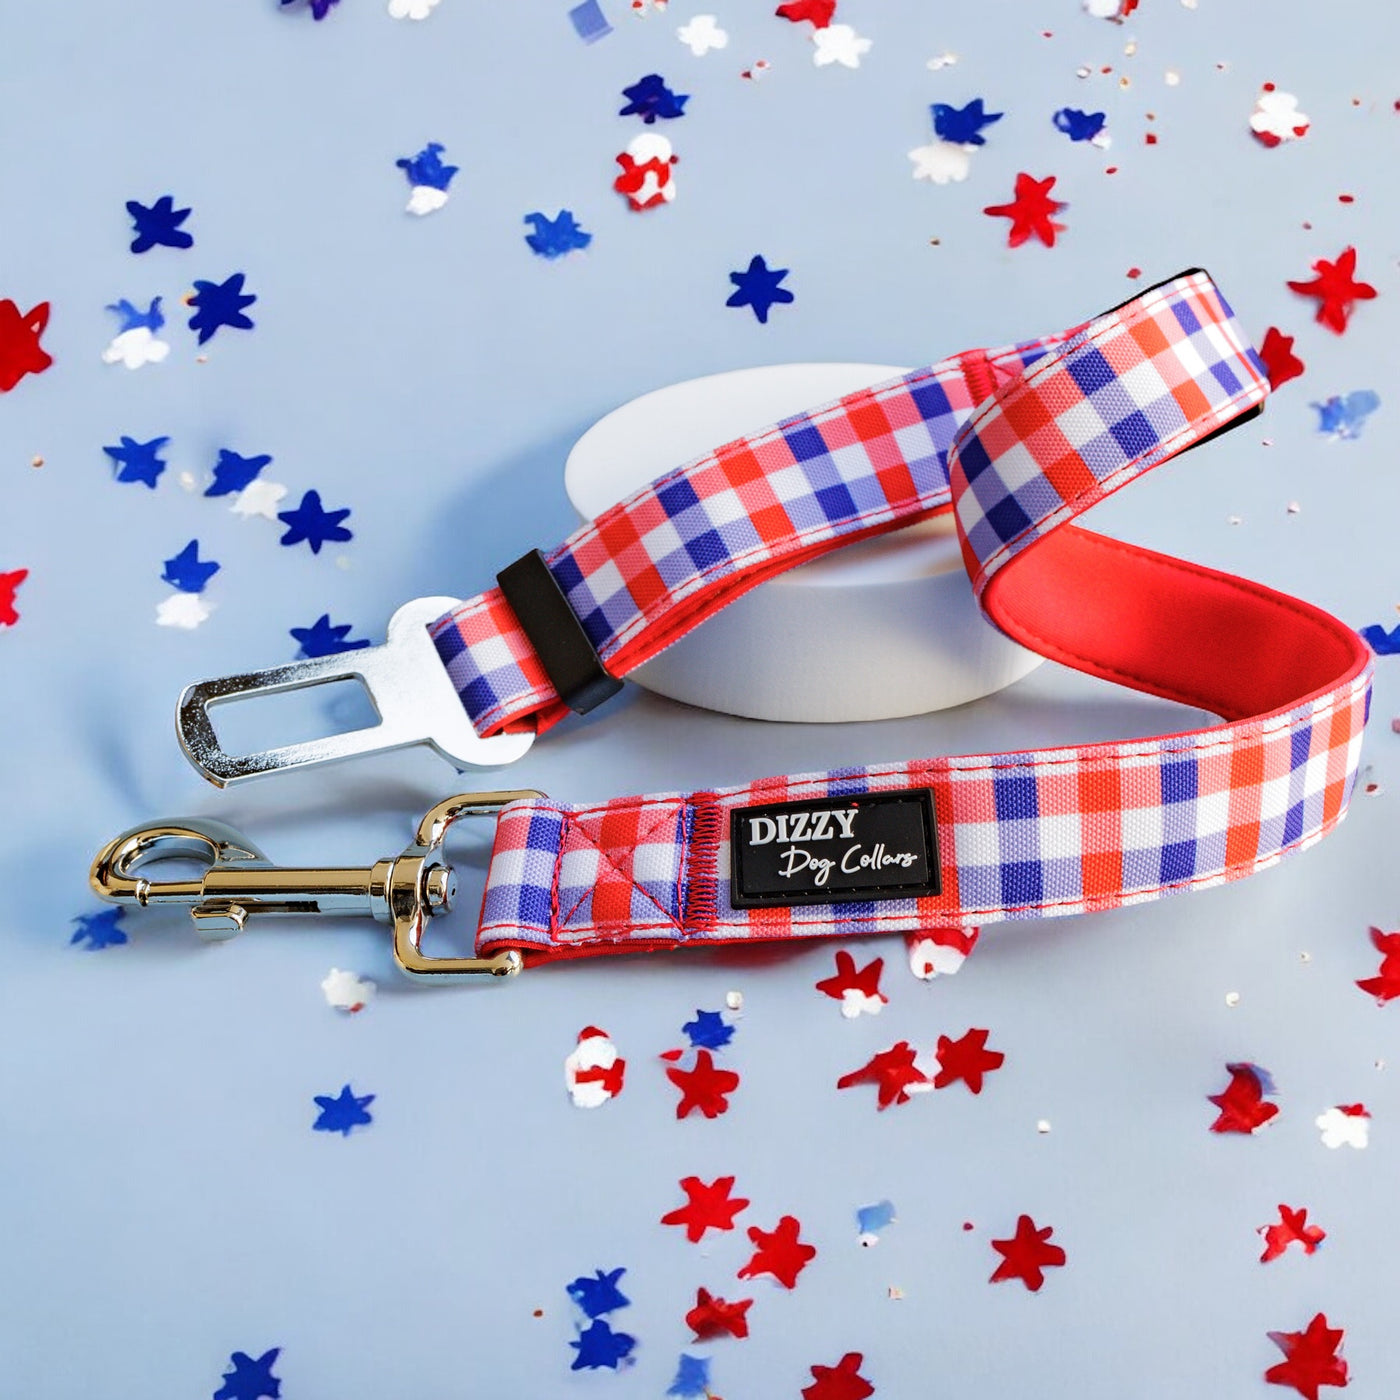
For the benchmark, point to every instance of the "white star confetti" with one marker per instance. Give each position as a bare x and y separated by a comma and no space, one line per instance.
592,1072
425,199
941,60
183,610
411,9
839,43
135,348
702,34
1276,117
346,991
259,497
941,161
1346,1125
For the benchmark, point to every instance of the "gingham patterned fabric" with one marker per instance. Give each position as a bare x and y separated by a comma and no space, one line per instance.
1047,430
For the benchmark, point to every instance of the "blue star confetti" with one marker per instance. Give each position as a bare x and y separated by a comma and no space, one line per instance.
133,318
426,169
99,931
1077,125
233,472
311,522
138,461
322,638
250,1379
158,225
342,1112
692,1377
218,304
1345,417
598,1295
187,571
319,8
598,1345
708,1031
650,98
1380,641
553,238
870,1220
589,21
962,126
758,288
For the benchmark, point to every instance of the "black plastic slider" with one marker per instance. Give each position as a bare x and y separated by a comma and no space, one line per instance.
568,657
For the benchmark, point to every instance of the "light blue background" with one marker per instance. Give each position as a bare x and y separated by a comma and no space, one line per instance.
164,1202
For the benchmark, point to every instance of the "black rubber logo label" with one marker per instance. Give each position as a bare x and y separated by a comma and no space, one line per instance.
864,847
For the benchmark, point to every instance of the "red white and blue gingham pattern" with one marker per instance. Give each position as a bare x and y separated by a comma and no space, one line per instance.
1128,391
1025,835
661,561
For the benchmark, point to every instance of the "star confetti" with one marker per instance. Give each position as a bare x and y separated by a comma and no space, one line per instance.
99,931
599,1346
554,237
20,351
939,952
1082,126
1027,1254
1030,211
411,9
158,225
1292,1229
136,343
1385,985
319,8
1344,417
1276,117
138,461
704,1088
589,21
346,991
183,610
1241,1102
650,99
187,571
1346,1125
870,1220
250,1378
1335,290
259,498
708,1031
1312,1358
819,12
856,991
599,1294
967,1059
758,288
428,178
892,1071
646,181
842,1381
839,43
713,1317
218,304
1380,641
706,1207
342,1112
779,1252
692,1378
323,638
10,581
940,162
593,1071
962,126
1280,363
311,522
233,472
702,34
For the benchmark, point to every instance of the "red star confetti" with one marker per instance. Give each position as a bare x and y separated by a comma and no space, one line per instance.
1292,1228
1030,211
779,1252
967,1059
593,1072
706,1207
1384,986
818,11
1312,1358
940,951
1241,1103
9,586
1335,290
857,991
713,1317
1027,1254
842,1381
1346,1125
20,351
1280,363
1276,117
893,1073
704,1088
646,180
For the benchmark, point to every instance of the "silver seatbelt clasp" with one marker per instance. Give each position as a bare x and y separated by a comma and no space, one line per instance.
407,684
